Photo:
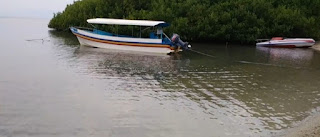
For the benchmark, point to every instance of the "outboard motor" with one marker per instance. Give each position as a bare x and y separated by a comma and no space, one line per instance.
178,43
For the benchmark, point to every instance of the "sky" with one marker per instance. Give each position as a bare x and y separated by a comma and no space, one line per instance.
32,8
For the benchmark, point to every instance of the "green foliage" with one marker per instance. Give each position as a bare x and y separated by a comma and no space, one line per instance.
210,20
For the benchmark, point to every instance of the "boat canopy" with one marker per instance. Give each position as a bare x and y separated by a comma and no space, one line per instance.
128,22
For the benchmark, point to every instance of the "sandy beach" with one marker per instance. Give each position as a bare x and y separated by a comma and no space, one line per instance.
317,46
307,128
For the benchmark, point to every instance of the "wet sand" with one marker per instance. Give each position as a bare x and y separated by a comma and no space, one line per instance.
317,46
307,128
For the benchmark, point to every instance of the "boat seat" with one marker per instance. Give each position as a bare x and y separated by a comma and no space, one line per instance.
166,41
153,35
102,32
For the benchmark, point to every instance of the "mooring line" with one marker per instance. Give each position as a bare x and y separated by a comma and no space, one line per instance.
43,39
273,65
256,63
202,53
253,63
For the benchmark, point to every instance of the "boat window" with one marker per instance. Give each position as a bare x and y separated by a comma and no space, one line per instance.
129,31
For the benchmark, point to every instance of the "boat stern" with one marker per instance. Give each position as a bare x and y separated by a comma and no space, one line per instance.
179,44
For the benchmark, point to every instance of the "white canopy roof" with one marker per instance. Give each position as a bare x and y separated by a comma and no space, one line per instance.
125,22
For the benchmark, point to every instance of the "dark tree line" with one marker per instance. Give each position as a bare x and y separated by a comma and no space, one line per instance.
205,20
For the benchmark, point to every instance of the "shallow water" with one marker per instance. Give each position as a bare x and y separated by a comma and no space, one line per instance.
54,87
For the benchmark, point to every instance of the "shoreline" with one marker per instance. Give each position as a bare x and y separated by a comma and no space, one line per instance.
310,127
316,46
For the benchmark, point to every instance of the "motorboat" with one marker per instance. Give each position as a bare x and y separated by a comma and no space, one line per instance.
156,42
281,42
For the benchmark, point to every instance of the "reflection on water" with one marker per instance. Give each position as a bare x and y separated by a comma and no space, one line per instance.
281,56
256,96
79,91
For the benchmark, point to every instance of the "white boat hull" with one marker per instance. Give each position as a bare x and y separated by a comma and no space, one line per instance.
288,43
122,43
90,43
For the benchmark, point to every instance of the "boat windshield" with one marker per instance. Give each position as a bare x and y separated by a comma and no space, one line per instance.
277,38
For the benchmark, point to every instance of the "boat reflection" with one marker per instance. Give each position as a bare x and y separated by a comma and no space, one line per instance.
130,64
285,56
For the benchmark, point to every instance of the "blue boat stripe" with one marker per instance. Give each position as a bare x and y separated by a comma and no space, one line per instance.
115,40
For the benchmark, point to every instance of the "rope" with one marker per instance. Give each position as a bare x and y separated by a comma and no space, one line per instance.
167,36
43,39
273,65
202,53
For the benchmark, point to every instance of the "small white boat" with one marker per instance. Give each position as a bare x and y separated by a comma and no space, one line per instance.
281,42
157,42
